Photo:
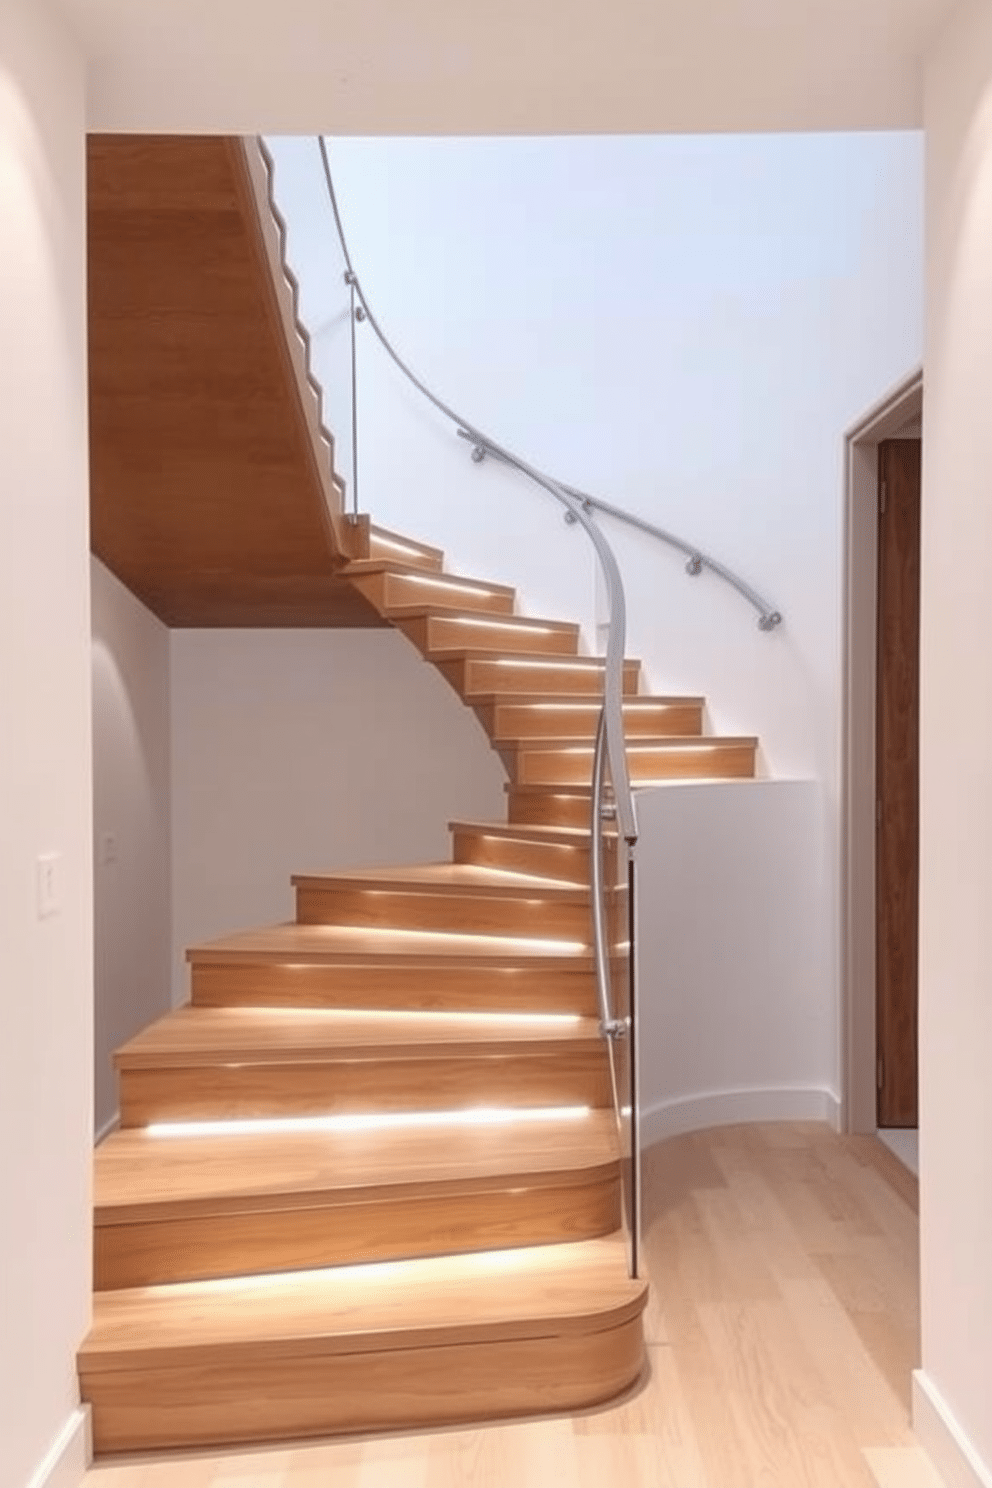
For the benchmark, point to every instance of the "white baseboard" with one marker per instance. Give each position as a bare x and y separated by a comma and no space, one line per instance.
71,1453
108,1126
942,1437
728,1107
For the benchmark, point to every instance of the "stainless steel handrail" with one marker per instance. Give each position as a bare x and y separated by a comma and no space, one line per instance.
616,600
768,616
610,742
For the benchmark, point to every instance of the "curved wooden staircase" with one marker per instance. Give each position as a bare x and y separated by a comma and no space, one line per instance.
369,1176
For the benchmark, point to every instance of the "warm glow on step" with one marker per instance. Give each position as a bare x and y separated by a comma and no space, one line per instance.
448,585
475,1116
575,707
379,541
545,846
481,1264
427,1016
487,943
559,666
538,746
516,625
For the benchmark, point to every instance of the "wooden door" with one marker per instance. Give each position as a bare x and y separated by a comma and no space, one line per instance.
897,780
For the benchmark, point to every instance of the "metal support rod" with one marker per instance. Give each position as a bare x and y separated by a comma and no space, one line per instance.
609,1026
350,281
613,1029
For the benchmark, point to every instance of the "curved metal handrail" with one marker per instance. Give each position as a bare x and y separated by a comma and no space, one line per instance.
768,616
610,744
616,600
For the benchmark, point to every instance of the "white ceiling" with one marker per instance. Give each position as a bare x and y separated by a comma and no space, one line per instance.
505,66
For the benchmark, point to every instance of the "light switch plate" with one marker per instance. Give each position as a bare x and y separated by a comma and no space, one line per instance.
49,884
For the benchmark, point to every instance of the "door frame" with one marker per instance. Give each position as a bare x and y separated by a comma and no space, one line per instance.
891,417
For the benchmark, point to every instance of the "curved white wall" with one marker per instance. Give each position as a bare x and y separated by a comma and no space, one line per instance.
734,962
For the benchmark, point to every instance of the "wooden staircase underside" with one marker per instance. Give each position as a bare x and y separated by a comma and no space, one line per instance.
369,1176
213,495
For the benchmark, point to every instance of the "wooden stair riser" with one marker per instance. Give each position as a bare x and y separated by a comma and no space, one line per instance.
567,863
511,721
448,1221
555,987
390,592
530,914
545,807
559,1077
383,546
432,633
476,676
573,765
247,1396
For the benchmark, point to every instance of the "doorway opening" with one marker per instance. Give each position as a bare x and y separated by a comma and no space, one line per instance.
897,417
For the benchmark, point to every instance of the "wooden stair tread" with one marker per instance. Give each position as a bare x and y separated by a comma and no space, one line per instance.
346,945
361,566
558,661
525,832
509,623
136,1170
576,788
642,701
466,878
198,1036
553,851
400,590
533,1291
701,744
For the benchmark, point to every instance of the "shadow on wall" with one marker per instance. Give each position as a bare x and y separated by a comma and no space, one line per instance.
131,824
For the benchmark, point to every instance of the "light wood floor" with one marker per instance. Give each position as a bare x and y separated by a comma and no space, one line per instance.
782,1331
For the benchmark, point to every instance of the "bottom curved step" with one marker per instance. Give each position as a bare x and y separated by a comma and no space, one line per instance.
362,1348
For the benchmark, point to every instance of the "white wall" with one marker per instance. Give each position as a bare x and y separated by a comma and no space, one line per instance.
302,750
956,795
733,957
241,65
46,1001
131,824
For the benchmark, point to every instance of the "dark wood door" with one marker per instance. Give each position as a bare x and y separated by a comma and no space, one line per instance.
897,780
